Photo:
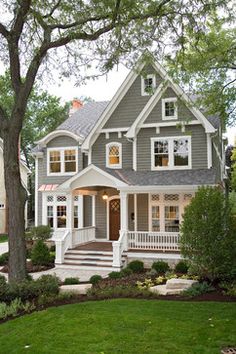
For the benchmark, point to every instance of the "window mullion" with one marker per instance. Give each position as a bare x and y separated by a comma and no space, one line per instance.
171,152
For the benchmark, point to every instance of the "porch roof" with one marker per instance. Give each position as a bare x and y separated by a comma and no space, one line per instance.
165,178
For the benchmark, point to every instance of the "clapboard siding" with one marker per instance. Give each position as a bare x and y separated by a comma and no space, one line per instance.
142,211
199,145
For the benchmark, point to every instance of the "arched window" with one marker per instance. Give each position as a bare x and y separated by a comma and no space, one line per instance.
114,155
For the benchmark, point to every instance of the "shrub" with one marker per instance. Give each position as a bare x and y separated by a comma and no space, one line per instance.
160,267
229,288
48,284
126,272
42,232
71,281
136,266
198,289
40,254
181,267
4,259
14,308
208,234
95,279
52,248
114,275
119,291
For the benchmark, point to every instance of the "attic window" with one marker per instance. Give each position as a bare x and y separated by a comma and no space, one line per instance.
169,108
114,155
148,85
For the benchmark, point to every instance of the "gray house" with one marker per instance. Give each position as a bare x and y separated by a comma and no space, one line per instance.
113,179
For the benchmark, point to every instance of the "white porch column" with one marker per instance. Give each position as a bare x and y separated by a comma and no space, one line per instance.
123,211
81,211
135,213
93,210
70,216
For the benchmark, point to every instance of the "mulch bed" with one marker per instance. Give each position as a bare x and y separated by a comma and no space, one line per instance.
31,268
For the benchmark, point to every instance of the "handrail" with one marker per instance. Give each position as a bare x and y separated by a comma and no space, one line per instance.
84,235
62,244
163,241
118,248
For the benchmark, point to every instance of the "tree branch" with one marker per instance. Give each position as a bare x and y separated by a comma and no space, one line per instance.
3,31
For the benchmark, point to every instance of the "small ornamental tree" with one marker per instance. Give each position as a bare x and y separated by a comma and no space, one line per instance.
208,235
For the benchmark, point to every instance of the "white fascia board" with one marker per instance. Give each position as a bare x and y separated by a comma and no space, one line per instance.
67,184
55,134
180,92
145,112
131,77
167,188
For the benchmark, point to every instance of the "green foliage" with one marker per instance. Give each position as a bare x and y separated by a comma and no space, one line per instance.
71,281
114,275
40,254
119,291
160,267
126,272
42,232
95,279
3,238
208,235
181,267
4,258
14,308
198,289
229,288
136,266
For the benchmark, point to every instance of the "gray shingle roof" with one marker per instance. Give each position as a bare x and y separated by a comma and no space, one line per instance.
165,178
83,120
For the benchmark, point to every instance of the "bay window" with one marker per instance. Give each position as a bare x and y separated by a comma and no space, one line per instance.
171,153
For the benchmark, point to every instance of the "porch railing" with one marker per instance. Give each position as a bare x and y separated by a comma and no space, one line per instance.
83,235
162,241
62,242
118,248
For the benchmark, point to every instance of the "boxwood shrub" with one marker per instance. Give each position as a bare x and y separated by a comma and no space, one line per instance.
136,266
95,279
160,267
71,281
181,267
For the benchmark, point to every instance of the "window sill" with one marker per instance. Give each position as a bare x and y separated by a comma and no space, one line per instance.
171,168
170,118
61,174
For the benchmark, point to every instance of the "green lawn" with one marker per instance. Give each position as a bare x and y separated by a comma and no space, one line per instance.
123,326
3,238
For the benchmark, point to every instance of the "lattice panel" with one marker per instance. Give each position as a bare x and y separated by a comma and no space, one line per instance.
115,205
50,198
61,198
114,151
171,197
188,197
155,197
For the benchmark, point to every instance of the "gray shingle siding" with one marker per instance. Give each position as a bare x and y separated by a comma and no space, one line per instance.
142,202
99,150
87,210
198,138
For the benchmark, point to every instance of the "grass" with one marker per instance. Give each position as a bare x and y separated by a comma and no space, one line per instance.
3,238
123,326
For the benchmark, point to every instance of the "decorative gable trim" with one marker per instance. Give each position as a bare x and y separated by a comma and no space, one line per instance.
168,82
56,133
113,105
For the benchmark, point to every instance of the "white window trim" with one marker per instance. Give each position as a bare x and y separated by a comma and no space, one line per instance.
171,153
62,158
150,76
119,145
164,101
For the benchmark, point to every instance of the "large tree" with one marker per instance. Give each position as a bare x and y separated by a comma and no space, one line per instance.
39,35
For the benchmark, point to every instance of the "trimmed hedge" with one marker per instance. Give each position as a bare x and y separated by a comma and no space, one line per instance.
136,266
160,267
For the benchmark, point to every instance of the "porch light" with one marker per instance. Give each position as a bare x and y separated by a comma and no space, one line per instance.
105,196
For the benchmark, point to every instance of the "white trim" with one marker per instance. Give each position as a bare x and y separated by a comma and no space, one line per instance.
54,204
171,165
36,192
135,213
155,189
143,91
56,133
131,77
108,213
114,130
114,182
93,210
124,208
209,151
135,154
81,211
90,156
116,144
167,100
62,160
169,124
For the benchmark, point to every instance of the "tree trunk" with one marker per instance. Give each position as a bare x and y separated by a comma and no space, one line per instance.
16,196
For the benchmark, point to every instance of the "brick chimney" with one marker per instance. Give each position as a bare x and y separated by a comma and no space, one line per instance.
76,104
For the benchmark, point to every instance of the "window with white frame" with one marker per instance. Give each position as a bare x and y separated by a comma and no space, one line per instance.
171,153
62,161
114,155
56,211
148,84
172,218
169,108
155,218
2,206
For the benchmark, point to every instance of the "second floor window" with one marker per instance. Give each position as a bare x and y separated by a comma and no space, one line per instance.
169,108
62,161
171,152
114,155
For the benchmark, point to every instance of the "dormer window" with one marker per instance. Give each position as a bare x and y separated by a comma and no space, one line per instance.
114,155
169,108
62,161
148,85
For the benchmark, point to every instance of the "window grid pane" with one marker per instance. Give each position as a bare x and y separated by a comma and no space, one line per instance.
50,215
61,216
161,153
155,218
171,218
55,161
169,109
181,151
70,160
114,155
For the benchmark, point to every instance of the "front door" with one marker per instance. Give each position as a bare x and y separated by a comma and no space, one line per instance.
114,219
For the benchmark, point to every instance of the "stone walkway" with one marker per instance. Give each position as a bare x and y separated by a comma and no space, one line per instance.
62,273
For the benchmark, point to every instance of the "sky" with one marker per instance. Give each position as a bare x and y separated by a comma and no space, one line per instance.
103,89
